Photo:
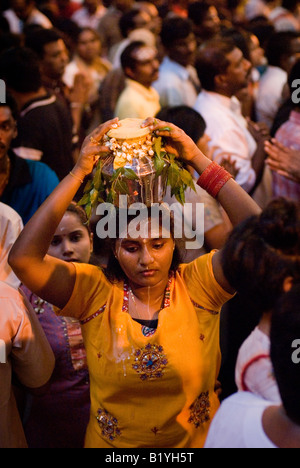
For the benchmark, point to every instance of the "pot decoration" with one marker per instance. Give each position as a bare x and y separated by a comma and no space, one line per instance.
136,166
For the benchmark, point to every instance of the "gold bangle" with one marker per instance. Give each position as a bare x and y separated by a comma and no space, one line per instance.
76,177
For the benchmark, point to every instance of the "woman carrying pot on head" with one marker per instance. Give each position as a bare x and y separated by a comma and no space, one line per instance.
152,383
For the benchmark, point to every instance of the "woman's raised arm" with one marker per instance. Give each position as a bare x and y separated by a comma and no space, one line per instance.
235,201
49,277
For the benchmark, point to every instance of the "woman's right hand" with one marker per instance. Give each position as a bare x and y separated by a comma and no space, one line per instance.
92,148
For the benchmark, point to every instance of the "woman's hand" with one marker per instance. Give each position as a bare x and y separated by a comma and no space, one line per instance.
176,140
92,148
285,161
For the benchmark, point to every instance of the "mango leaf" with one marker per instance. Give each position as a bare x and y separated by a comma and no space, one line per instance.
111,196
88,186
88,210
98,177
180,195
121,187
93,196
85,199
173,175
157,145
187,179
130,174
117,174
159,165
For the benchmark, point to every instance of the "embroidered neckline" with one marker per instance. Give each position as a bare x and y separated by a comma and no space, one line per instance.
146,331
167,295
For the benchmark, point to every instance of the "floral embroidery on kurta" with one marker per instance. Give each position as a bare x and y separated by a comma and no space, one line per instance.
108,424
200,410
150,362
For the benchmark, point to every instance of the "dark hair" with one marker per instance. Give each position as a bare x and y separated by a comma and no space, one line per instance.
197,11
262,28
8,40
175,28
80,213
19,68
127,22
279,46
127,59
11,104
211,61
285,328
114,272
186,118
262,251
290,5
240,38
86,29
36,40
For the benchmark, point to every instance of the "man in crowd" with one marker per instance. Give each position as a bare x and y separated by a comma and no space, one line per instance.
139,99
223,71
24,13
24,184
282,51
178,83
53,55
109,29
44,126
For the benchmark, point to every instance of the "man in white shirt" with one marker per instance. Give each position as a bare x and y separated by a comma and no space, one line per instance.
245,420
11,225
223,71
24,13
140,65
282,51
178,83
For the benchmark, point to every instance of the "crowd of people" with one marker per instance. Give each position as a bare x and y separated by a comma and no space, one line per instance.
130,343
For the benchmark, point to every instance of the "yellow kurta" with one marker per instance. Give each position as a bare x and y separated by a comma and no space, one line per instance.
158,390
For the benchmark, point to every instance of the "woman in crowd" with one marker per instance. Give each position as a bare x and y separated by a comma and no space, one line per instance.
149,388
59,418
87,60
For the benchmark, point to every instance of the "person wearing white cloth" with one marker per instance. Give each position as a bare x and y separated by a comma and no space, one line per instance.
24,13
223,71
282,52
245,420
178,83
24,352
11,225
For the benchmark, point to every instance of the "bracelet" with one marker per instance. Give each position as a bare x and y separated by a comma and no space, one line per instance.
76,177
213,178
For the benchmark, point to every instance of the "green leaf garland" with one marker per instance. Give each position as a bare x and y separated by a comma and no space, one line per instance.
99,189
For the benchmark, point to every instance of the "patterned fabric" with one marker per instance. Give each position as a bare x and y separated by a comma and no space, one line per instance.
65,407
156,390
289,136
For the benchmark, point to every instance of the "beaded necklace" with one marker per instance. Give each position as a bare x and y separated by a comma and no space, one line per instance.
166,301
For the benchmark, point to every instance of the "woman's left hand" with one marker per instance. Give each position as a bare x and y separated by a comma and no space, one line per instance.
176,141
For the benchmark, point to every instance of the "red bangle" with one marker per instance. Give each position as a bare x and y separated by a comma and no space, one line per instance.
213,178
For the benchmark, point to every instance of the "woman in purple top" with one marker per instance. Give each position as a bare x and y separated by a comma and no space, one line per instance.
59,419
